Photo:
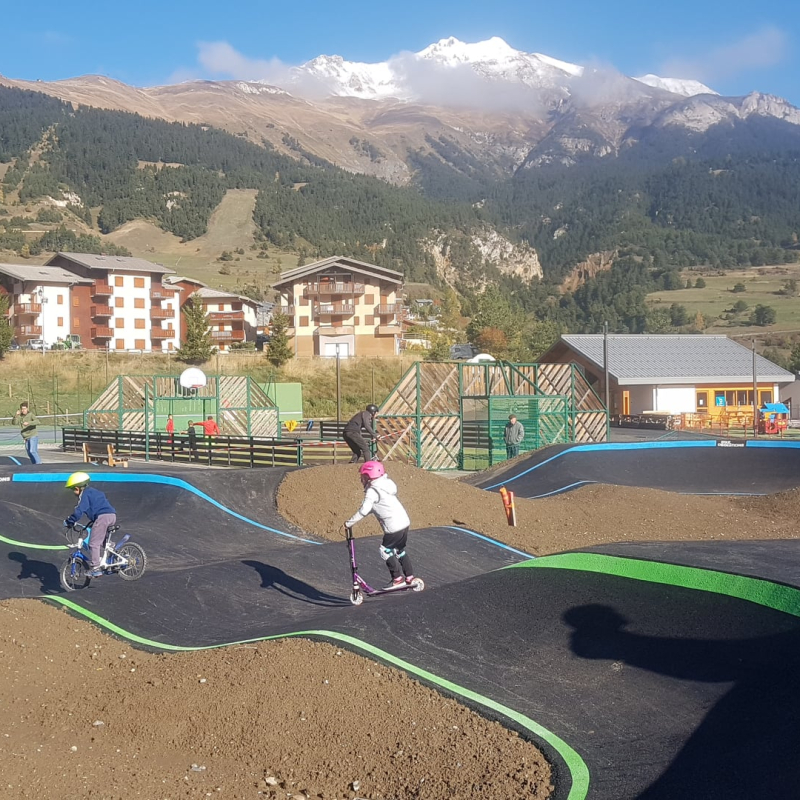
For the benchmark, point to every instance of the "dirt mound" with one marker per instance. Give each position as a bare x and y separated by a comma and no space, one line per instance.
320,499
85,715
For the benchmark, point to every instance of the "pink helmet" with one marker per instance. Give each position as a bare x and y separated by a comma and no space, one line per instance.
372,469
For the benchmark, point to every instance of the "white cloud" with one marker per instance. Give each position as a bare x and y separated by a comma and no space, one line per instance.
765,48
221,60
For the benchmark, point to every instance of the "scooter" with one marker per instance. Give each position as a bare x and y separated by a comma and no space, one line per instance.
361,588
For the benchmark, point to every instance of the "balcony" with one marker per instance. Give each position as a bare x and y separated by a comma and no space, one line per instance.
101,289
225,316
388,329
387,310
161,313
335,309
287,311
334,330
160,293
162,333
101,311
30,330
227,336
22,309
101,332
316,289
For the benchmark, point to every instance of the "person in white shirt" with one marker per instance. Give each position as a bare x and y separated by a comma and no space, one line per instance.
380,499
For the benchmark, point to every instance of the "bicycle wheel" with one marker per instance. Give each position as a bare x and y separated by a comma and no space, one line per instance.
137,561
74,575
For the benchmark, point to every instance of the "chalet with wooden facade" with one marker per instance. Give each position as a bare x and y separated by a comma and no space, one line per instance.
342,305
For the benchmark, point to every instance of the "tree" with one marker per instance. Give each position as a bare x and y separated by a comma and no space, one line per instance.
440,347
492,341
658,320
538,338
700,283
6,331
678,315
450,319
763,315
199,346
739,287
279,349
794,358
492,310
739,307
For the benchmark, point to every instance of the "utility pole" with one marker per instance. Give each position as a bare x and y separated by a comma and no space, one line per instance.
338,391
755,394
605,364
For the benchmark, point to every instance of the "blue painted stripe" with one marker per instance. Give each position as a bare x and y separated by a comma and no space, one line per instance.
491,541
16,461
759,443
604,447
137,477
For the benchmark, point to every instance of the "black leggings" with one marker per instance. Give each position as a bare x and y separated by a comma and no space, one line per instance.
397,557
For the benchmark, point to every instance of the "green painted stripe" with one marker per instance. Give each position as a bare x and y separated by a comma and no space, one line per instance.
34,546
579,772
756,590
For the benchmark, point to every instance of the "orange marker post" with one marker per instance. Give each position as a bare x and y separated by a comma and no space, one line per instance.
508,505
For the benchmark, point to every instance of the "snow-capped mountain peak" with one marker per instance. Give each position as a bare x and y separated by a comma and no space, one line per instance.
683,86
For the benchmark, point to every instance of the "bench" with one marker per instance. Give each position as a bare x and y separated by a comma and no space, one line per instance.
94,452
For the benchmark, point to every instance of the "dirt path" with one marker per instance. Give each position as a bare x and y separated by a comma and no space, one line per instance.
86,716
320,499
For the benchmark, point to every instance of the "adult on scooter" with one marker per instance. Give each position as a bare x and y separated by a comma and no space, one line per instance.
94,504
353,436
380,499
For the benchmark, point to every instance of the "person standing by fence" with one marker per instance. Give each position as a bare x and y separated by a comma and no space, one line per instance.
170,428
28,425
513,434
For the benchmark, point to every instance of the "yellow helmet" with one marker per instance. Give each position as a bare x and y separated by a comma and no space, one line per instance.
77,479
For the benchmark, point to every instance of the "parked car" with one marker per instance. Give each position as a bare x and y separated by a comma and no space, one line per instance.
35,344
262,339
14,345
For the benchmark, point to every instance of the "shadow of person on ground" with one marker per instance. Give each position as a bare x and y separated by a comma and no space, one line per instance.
747,744
43,571
274,578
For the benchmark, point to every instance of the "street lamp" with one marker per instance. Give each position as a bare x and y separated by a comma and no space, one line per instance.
42,301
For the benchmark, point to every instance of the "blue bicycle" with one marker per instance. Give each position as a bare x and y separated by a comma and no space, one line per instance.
124,558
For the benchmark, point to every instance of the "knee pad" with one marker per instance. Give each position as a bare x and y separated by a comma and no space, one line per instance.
386,552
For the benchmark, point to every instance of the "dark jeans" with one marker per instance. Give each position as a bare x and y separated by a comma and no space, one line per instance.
396,543
512,450
355,441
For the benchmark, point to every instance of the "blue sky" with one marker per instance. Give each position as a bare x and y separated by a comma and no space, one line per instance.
734,47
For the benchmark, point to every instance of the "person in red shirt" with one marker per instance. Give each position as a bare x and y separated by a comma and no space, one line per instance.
170,428
210,426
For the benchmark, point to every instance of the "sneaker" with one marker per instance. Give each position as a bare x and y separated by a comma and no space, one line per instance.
94,573
395,583
410,579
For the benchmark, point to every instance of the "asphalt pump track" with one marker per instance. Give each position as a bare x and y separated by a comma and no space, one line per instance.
644,671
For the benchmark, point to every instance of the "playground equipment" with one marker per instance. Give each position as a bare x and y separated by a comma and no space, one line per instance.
773,418
451,414
143,402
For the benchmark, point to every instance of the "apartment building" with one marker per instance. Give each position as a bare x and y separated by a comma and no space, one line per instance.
232,318
342,305
120,303
39,301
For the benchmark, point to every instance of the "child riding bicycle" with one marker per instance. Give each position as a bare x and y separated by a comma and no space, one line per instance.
94,504
380,499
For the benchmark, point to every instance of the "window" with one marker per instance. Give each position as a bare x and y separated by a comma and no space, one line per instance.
119,302
60,299
303,322
304,301
139,344
60,322
119,344
76,322
741,398
76,301
702,401
138,283
369,299
119,322
138,302
356,321
765,395
370,320
138,323
118,280
170,346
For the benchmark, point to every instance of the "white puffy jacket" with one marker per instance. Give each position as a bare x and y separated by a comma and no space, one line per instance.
381,500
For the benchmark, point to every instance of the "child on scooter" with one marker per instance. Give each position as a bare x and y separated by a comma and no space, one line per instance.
380,499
